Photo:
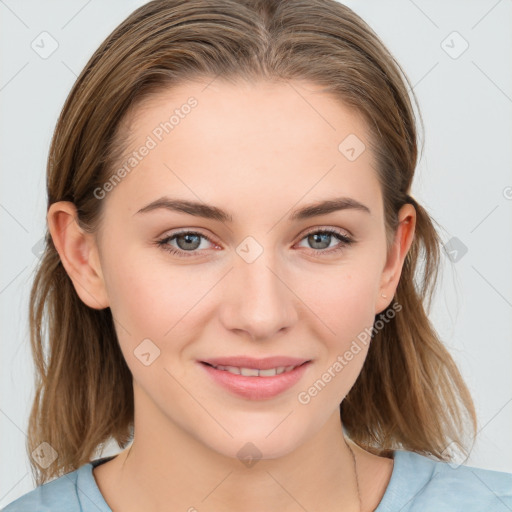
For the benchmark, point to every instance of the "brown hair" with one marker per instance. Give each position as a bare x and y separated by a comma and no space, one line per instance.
410,394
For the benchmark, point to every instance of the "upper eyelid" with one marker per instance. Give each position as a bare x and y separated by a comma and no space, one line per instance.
339,231
314,229
167,236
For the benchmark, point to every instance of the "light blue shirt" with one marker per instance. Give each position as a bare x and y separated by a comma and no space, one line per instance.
417,484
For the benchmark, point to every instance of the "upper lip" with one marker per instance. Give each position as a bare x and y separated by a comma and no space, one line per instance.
250,362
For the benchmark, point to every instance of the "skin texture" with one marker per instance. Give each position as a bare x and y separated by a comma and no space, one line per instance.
267,149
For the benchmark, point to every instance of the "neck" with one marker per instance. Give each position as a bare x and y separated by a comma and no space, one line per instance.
183,473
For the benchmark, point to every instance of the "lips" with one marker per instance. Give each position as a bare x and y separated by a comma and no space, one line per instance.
254,372
266,363
259,379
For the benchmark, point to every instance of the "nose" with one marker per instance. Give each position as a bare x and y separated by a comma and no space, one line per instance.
258,301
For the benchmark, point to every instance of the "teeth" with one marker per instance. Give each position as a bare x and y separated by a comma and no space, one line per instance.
249,372
255,372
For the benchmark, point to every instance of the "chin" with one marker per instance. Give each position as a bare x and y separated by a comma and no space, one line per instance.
255,445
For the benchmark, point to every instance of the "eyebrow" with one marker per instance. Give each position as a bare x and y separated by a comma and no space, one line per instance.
213,212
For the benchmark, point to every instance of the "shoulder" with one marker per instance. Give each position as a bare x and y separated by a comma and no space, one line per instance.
73,492
424,484
55,496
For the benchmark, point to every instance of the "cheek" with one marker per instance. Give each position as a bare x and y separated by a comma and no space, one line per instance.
343,298
150,300
151,306
344,305
153,299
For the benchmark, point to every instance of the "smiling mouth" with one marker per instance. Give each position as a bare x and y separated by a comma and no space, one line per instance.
256,372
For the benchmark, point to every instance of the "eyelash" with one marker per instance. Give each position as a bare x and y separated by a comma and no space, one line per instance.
345,241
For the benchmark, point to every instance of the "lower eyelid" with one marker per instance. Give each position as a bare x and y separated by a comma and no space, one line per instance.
165,241
343,239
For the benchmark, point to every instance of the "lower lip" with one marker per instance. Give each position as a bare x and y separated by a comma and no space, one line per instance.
256,388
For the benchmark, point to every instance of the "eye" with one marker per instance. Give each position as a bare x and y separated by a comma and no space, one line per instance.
321,239
188,242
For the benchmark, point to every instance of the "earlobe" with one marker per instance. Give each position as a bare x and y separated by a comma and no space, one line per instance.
77,250
401,244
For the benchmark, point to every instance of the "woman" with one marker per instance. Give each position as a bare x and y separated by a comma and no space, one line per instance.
285,360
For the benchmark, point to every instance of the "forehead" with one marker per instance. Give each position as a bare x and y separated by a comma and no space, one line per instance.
259,110
217,140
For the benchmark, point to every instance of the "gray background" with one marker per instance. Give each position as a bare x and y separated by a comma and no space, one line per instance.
463,179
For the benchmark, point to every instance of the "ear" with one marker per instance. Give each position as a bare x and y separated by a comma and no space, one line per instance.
395,260
79,254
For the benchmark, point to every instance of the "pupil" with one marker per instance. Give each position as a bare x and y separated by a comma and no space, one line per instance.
188,240
317,239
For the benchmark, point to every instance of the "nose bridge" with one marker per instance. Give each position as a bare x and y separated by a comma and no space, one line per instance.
261,302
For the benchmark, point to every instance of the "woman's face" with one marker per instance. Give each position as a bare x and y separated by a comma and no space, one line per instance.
260,280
